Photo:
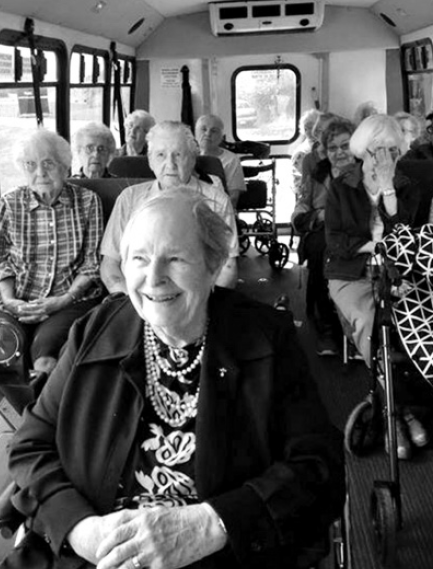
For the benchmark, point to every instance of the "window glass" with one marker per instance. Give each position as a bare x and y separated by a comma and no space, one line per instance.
126,94
265,103
87,77
17,105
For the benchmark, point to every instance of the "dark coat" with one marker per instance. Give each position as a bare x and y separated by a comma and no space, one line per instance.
347,221
267,458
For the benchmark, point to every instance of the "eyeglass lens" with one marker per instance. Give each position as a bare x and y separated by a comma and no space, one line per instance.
47,164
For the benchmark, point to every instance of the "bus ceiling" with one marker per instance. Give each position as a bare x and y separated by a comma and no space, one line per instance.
131,23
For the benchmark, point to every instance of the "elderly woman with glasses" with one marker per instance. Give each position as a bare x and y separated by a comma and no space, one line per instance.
308,219
181,427
94,147
363,206
49,238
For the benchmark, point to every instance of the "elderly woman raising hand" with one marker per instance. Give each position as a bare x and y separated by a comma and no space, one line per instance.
181,427
363,206
49,237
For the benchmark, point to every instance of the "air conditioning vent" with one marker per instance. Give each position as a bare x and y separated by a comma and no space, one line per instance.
265,16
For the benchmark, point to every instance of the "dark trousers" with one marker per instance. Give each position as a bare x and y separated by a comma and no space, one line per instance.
317,295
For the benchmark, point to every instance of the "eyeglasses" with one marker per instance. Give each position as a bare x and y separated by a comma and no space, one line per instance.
334,147
393,150
91,148
47,165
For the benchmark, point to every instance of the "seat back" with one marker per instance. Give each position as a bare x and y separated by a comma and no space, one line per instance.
211,165
138,167
107,189
131,167
255,197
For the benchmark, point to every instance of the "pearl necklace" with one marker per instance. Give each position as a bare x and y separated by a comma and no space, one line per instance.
179,374
170,407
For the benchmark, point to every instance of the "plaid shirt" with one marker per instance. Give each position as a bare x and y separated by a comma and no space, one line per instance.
44,248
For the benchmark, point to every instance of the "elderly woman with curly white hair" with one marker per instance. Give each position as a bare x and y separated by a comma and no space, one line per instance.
50,232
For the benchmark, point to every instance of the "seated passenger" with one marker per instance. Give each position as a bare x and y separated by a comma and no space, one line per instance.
318,153
308,219
422,147
50,233
172,156
94,147
137,125
209,131
306,125
410,125
364,205
181,427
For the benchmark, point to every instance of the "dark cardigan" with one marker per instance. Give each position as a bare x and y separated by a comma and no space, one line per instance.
347,221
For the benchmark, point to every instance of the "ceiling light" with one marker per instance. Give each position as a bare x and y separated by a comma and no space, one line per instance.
99,6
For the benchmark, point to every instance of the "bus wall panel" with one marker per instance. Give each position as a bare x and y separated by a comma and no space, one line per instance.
343,29
356,77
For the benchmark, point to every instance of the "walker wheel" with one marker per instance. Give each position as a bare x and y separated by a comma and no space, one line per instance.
244,240
263,244
9,343
363,427
384,516
278,255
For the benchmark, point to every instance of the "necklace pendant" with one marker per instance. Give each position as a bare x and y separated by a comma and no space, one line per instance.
182,379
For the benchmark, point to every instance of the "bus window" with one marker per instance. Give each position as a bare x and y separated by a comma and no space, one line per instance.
88,80
265,103
17,103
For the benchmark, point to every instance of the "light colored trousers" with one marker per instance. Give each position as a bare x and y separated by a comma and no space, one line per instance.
355,301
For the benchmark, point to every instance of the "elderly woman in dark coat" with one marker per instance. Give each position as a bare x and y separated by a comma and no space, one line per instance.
363,206
308,219
181,426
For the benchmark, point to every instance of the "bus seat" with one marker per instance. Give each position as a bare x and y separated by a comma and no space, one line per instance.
130,167
421,170
255,197
211,165
138,166
107,189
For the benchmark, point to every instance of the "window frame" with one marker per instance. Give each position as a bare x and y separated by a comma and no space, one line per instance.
14,38
267,67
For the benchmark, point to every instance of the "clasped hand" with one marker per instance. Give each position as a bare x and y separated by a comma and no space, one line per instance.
34,311
158,537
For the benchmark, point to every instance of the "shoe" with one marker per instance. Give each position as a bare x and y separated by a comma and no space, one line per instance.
418,435
353,353
404,450
282,303
326,345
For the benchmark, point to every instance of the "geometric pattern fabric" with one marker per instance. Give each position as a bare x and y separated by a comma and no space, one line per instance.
412,253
